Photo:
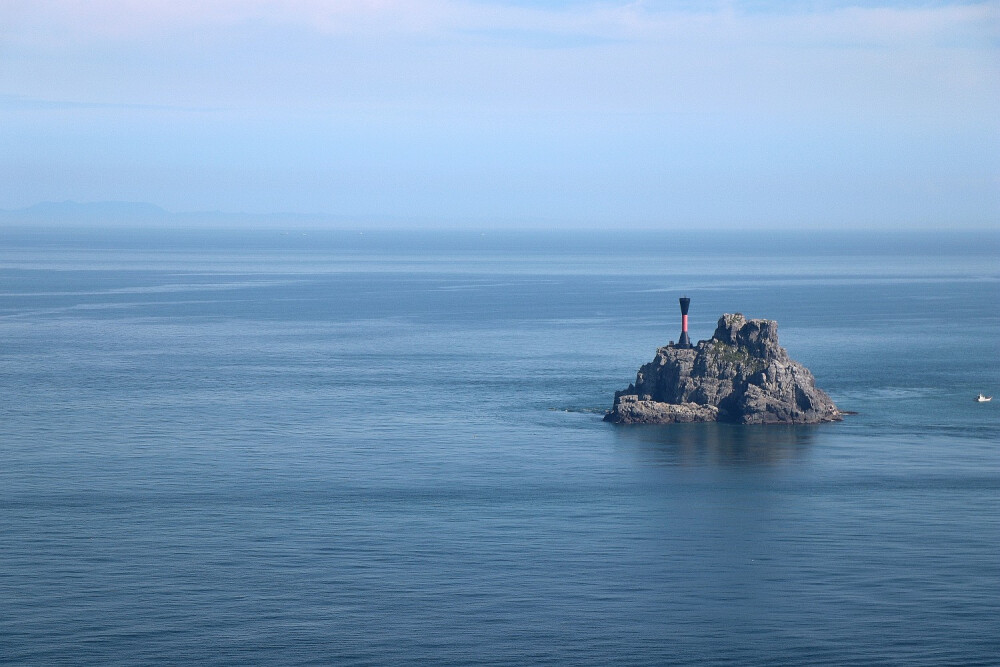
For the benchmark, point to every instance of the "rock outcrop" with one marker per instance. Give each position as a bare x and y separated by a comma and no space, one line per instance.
740,375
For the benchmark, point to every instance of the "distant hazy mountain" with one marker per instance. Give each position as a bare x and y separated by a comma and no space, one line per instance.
141,214
87,213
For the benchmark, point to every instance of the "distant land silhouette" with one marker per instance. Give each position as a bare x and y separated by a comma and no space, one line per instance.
72,211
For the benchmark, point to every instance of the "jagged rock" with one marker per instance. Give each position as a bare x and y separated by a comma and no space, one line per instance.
740,375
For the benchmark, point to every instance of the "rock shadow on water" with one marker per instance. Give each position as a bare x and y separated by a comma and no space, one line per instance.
719,444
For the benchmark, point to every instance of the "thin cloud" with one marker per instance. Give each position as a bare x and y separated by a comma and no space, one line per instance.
81,21
634,57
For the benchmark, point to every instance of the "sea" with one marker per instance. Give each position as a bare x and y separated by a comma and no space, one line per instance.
358,447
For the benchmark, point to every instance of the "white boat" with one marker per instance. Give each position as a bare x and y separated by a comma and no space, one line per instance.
983,399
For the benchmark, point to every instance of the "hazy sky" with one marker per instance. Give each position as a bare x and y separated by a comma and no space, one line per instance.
645,113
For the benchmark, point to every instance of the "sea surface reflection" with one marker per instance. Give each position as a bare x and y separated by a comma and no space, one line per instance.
719,444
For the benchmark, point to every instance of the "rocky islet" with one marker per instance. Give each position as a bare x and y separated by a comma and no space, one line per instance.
740,375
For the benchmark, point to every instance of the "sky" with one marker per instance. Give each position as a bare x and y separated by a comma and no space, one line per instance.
735,114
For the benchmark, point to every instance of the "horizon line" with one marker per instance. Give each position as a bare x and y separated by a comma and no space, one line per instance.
147,214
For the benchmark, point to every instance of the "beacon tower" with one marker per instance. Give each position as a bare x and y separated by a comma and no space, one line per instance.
684,341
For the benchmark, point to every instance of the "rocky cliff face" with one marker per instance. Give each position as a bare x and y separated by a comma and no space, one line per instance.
740,375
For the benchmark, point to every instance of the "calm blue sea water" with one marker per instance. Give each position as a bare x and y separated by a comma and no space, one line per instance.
333,448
